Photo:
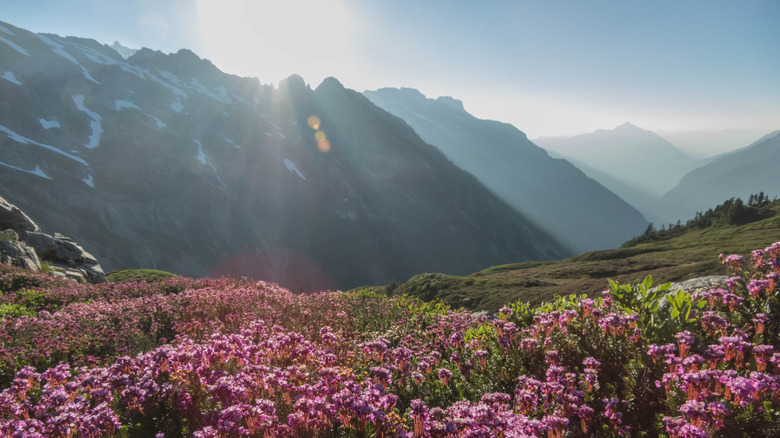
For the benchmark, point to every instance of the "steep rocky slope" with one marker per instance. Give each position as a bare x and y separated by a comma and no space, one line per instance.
163,161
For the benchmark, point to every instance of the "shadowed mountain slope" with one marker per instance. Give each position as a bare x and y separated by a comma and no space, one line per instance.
163,161
552,192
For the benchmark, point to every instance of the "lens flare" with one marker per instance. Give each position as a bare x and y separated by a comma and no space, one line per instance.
314,122
323,145
320,136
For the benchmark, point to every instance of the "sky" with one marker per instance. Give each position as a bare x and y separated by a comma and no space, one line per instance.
550,68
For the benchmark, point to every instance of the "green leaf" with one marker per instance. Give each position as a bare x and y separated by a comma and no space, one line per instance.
648,282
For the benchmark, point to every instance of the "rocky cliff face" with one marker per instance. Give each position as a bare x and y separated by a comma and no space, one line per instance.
164,161
577,210
23,244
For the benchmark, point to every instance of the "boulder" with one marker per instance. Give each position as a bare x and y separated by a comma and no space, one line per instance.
80,273
9,235
67,249
23,244
94,273
44,244
14,218
17,253
68,272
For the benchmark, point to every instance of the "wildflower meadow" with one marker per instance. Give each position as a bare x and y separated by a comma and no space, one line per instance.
239,358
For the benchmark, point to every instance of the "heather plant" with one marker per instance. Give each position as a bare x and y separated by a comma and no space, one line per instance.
230,358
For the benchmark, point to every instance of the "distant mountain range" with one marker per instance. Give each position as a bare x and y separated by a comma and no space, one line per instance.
552,192
739,173
660,180
636,157
164,161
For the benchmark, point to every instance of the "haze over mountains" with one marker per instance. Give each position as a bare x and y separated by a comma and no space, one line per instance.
552,192
655,164
164,161
739,173
659,179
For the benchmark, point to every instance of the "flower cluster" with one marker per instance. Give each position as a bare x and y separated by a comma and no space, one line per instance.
230,358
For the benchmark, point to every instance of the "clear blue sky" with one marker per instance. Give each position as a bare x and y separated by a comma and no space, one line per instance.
548,67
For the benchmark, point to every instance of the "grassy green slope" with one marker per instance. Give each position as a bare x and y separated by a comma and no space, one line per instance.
137,275
690,255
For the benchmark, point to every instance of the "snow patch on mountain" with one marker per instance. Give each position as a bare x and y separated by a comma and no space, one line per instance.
95,56
60,50
203,158
5,30
14,46
177,106
174,85
95,124
48,124
120,104
230,142
9,76
132,69
24,140
293,168
160,123
37,171
200,88
89,181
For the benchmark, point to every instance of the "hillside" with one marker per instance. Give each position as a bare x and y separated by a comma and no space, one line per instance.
683,257
163,161
553,193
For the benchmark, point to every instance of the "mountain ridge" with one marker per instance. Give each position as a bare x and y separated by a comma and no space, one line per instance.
164,161
552,192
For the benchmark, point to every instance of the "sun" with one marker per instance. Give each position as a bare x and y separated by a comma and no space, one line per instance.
274,39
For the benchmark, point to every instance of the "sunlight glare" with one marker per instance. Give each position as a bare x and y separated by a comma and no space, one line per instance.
272,40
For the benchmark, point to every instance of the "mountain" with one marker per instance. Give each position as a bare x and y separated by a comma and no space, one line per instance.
163,161
635,156
126,52
552,192
739,173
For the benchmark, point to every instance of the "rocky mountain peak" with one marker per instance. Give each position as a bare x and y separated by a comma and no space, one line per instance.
451,102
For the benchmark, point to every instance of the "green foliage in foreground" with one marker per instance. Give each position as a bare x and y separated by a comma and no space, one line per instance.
137,275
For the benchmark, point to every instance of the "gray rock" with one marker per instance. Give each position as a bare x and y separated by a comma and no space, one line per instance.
67,249
44,244
9,234
700,284
68,259
94,273
68,272
17,253
88,258
14,218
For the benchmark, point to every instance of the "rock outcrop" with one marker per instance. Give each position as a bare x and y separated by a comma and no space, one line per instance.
23,244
